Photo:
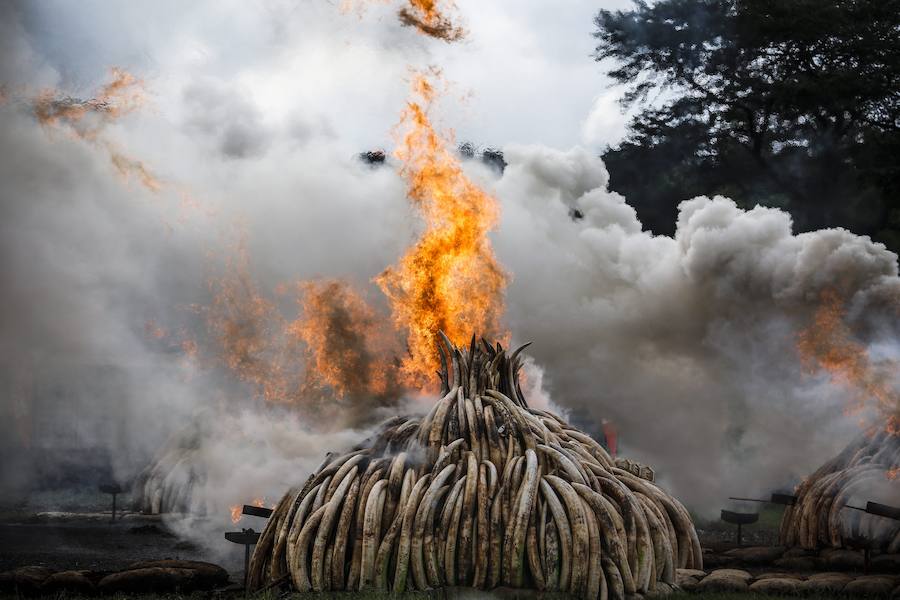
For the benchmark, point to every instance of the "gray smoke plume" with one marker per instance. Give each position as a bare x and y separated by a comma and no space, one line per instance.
687,343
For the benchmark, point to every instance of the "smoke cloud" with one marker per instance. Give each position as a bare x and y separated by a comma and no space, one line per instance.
688,343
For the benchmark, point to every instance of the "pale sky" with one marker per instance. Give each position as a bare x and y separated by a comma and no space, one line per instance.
523,74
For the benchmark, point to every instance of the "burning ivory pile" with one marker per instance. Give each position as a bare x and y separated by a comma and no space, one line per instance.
820,517
482,492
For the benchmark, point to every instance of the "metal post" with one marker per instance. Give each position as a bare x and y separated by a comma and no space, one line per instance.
247,538
739,535
114,508
246,565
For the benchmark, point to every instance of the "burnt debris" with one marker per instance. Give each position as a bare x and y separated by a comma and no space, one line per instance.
374,158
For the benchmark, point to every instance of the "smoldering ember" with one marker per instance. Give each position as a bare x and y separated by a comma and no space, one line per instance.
425,298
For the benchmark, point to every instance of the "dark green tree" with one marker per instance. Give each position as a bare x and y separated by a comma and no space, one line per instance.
789,103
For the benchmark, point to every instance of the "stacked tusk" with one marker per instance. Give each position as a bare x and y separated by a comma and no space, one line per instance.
483,491
818,518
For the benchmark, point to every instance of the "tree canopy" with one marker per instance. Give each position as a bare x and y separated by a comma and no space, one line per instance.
789,103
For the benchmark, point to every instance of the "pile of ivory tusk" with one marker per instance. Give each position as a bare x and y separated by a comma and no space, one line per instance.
167,484
819,518
481,492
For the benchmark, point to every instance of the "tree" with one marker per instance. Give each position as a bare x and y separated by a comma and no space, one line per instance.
790,103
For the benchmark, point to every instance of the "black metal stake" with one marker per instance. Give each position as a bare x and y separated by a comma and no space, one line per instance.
114,489
739,519
246,565
246,537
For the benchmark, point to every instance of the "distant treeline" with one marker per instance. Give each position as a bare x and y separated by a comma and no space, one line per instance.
492,157
787,103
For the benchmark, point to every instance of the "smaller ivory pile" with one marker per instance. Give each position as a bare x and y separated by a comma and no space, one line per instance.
167,484
819,518
483,491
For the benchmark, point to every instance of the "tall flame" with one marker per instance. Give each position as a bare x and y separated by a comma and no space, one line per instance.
828,344
449,280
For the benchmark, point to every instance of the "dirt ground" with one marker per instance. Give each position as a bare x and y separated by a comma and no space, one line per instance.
71,529
86,539
90,541
92,544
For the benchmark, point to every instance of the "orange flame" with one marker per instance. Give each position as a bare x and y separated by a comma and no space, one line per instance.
340,331
119,97
248,333
86,119
892,473
450,279
828,344
429,19
128,167
335,349
237,509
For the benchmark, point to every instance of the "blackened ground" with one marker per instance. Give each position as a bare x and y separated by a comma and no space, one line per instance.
88,542
70,528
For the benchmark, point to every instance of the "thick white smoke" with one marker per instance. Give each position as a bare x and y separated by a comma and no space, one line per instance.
221,460
687,343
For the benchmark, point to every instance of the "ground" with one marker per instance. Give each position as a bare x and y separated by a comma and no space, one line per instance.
95,545
32,535
72,530
360,596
